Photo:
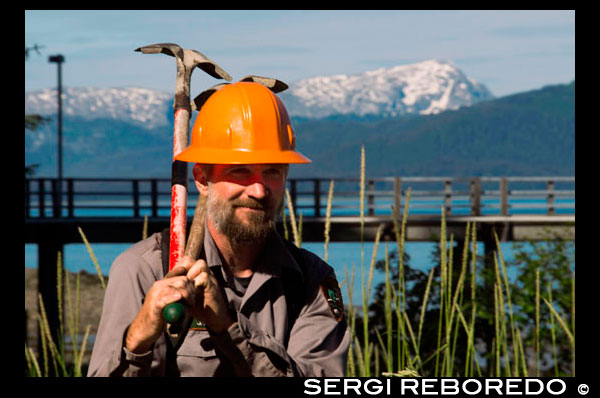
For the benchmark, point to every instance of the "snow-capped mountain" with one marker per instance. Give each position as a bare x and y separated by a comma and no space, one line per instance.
140,106
423,88
108,125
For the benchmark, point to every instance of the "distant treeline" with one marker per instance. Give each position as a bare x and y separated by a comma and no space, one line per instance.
530,133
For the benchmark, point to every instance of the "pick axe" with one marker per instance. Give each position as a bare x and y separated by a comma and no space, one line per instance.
187,60
174,313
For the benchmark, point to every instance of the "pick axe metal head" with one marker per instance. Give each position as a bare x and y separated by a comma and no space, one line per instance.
203,96
274,85
190,58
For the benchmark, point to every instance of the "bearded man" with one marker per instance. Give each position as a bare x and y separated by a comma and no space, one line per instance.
256,304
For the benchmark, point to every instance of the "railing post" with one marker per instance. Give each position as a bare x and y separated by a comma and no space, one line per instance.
41,197
476,196
136,198
56,198
317,197
371,197
550,198
504,193
27,201
154,199
70,197
448,196
397,194
293,194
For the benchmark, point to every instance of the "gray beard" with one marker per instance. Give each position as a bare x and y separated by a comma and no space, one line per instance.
260,225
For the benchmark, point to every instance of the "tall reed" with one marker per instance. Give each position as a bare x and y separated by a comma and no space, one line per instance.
295,232
93,257
55,351
328,220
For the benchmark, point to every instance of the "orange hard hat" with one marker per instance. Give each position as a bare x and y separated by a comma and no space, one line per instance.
242,123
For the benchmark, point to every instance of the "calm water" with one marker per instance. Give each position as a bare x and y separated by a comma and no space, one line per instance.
342,256
341,207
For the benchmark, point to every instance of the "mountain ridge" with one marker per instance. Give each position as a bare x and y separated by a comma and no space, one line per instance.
423,88
524,133
426,87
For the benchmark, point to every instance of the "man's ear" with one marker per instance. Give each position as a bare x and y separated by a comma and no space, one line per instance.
201,178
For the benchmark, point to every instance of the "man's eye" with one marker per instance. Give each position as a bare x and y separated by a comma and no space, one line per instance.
239,171
274,172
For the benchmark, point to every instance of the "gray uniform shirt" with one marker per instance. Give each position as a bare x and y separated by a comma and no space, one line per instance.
267,339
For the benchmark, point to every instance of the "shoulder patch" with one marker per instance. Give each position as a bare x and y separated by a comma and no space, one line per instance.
331,290
197,325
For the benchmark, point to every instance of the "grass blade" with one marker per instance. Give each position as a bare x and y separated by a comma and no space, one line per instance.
537,320
292,218
328,219
350,367
366,297
360,361
93,256
386,358
145,227
388,313
562,323
284,222
45,328
510,309
424,306
32,360
71,321
374,259
522,354
300,230
59,290
573,320
82,352
410,333
442,287
553,334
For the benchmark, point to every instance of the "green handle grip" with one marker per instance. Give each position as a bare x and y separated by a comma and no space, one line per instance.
174,312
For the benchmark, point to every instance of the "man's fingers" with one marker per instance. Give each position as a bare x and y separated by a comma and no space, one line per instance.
178,283
182,267
172,289
167,299
176,271
202,280
196,269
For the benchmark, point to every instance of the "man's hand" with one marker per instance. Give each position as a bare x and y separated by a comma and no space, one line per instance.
191,281
209,305
149,324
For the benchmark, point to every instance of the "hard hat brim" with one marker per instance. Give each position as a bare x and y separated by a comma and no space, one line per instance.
228,156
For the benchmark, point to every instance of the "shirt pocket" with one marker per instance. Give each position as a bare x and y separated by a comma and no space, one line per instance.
197,343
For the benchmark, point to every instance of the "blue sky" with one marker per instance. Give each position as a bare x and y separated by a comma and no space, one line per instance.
508,51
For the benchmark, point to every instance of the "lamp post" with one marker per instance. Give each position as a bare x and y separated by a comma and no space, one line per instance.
47,251
59,59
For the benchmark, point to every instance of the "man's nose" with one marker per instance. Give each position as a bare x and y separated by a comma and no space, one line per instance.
257,190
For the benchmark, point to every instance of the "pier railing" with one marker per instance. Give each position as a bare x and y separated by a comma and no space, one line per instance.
477,196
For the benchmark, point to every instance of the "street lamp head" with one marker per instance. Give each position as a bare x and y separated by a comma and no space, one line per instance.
56,58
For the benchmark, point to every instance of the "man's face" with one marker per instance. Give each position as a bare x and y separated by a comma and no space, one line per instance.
244,201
